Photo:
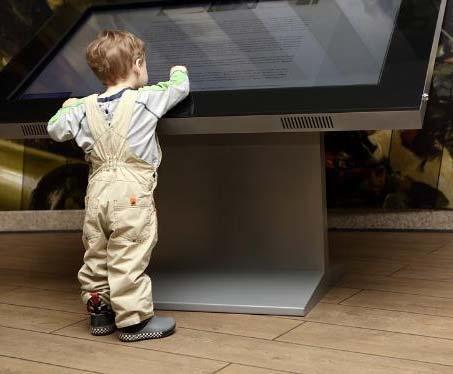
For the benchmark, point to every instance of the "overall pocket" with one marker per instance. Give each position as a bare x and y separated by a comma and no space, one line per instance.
132,218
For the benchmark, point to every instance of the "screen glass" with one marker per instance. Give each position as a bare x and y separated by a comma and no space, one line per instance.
238,45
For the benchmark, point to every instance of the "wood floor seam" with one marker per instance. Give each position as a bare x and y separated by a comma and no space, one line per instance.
41,308
286,332
347,298
368,288
438,249
231,334
52,274
28,330
14,284
38,288
406,293
15,288
265,368
220,369
393,310
61,328
396,271
46,363
392,331
423,279
399,310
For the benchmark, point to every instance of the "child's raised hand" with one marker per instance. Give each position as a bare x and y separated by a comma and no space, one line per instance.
69,102
178,67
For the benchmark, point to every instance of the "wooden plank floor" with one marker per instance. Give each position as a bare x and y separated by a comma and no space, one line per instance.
392,312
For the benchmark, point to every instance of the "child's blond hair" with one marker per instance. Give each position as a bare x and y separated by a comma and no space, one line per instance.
112,55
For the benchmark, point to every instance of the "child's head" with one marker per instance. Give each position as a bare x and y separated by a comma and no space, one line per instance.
116,57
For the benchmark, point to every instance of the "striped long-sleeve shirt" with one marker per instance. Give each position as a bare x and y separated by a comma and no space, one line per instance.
70,122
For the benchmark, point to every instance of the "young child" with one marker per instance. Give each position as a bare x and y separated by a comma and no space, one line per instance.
117,131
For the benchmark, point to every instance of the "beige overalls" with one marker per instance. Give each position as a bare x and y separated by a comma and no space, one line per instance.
120,227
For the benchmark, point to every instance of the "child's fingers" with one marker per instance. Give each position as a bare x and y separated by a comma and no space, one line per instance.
178,67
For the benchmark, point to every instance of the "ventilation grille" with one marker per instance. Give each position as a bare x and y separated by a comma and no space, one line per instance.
32,130
307,122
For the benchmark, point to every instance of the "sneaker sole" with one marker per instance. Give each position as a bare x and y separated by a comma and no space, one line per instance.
125,337
104,330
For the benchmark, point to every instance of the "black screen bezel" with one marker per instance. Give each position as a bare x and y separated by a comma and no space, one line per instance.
400,88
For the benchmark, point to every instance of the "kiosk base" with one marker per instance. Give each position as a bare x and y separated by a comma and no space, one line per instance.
242,224
266,292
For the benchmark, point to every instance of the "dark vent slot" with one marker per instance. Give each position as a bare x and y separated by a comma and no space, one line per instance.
34,129
307,122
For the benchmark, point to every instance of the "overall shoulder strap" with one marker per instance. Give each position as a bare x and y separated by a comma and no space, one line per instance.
96,122
123,113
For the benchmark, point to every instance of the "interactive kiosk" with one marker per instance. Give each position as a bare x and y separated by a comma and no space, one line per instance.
241,206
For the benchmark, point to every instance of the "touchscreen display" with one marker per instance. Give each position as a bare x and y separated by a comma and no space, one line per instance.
238,45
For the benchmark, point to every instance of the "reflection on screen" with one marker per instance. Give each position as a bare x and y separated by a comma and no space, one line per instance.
239,45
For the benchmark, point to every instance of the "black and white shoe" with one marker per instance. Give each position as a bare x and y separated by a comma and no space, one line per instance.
102,317
154,328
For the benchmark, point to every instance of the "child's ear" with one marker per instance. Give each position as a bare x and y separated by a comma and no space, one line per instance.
138,62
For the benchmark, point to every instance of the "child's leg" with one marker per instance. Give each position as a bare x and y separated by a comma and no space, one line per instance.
129,251
93,274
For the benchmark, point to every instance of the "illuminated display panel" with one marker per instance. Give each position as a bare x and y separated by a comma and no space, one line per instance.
251,45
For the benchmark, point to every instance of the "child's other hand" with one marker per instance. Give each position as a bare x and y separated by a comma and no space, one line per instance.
69,102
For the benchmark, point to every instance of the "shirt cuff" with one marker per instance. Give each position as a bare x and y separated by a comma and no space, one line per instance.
178,68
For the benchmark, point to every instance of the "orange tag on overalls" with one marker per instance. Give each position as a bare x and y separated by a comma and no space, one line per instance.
133,200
